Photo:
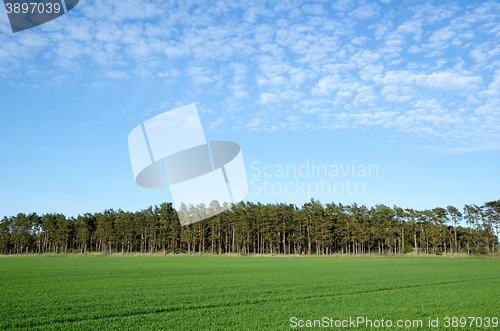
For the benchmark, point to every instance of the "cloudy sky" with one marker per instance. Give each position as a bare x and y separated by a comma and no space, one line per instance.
410,87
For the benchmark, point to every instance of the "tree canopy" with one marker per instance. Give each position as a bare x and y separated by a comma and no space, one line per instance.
255,228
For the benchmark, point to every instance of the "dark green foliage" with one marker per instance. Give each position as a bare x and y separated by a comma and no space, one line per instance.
249,228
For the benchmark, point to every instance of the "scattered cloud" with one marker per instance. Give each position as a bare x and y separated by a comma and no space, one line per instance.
368,10
116,74
326,85
425,69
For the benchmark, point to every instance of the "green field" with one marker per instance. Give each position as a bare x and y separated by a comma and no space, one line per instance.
233,293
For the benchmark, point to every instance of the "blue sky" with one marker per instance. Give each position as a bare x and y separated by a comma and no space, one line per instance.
410,87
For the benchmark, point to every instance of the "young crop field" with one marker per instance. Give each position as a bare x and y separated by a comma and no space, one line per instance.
245,293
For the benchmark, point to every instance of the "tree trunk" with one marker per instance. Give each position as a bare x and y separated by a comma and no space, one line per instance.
415,238
451,247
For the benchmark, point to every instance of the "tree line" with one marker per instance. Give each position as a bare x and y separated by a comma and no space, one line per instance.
255,228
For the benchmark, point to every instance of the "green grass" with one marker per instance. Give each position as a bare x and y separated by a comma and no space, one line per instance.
251,293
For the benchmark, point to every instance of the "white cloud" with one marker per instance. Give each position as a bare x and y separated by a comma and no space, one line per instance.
314,9
118,11
485,51
239,70
365,95
116,74
442,34
326,85
359,40
411,27
493,88
343,5
378,118
292,57
444,80
201,74
365,11
266,98
448,80
240,94
214,125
